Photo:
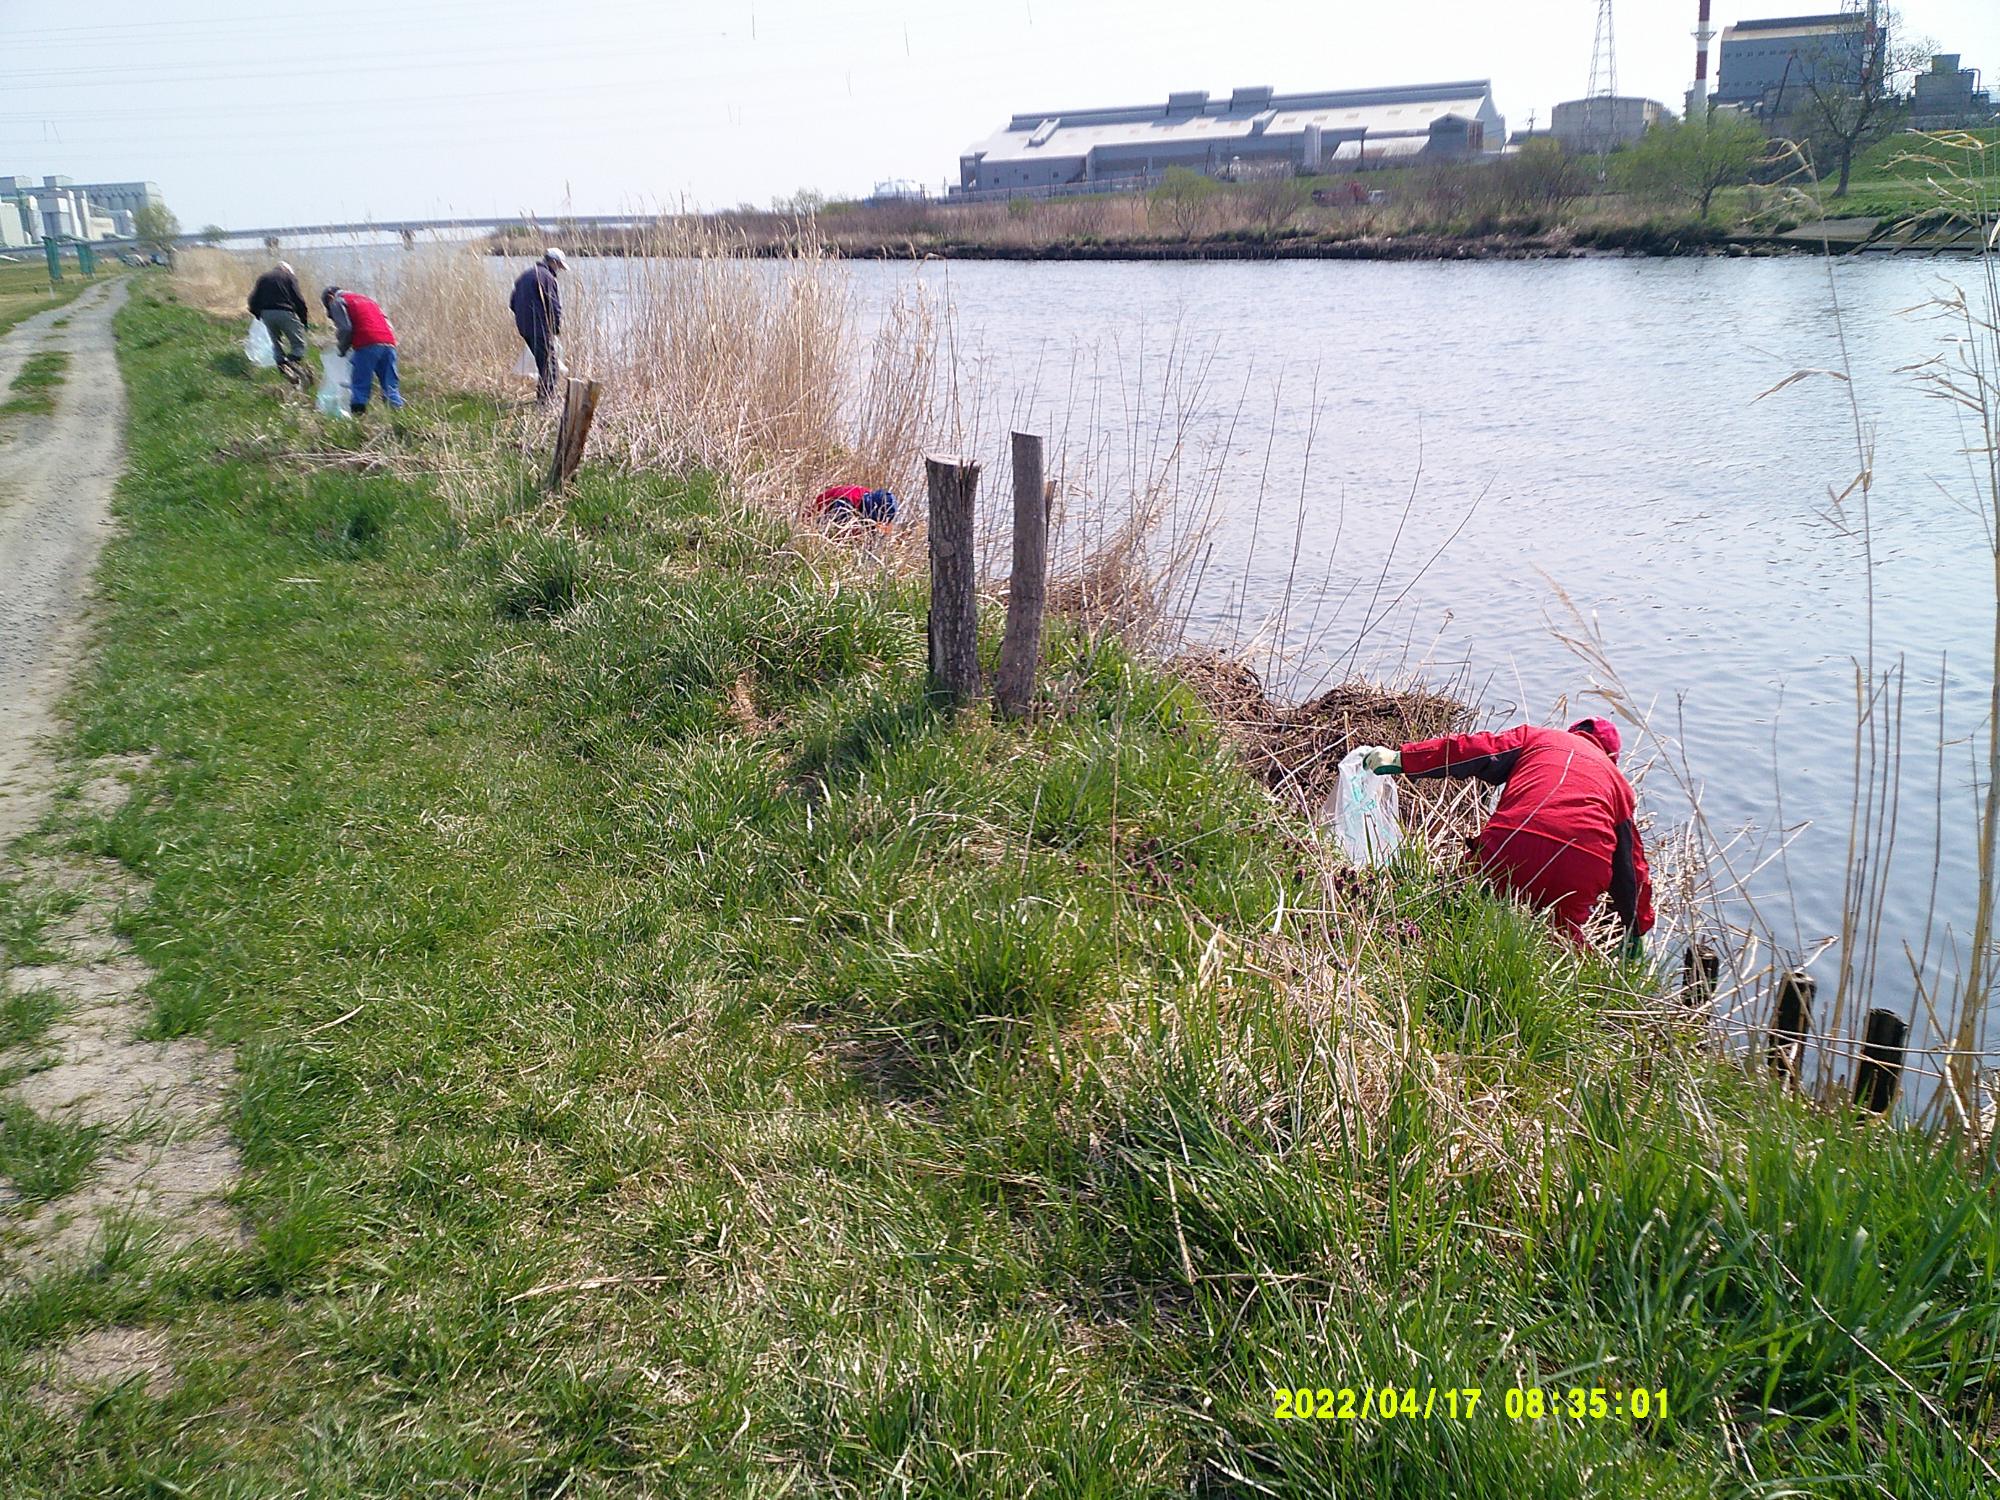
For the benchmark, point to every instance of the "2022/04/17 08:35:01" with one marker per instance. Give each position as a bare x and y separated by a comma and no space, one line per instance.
1422,1403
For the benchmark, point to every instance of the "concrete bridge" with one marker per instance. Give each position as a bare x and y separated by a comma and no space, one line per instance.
410,227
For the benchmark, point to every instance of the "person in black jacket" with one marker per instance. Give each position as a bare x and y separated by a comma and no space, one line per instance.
537,305
277,301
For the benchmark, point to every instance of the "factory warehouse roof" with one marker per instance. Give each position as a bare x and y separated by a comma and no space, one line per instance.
1238,121
1780,27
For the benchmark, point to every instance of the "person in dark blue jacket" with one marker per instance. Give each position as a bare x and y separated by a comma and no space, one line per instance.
537,304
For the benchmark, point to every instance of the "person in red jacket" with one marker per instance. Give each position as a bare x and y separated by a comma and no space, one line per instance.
1563,836
361,326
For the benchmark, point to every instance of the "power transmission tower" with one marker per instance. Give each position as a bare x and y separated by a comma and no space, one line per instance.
1600,107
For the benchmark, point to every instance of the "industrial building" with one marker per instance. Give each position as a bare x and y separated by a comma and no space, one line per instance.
1949,97
1605,122
1765,63
1251,130
60,208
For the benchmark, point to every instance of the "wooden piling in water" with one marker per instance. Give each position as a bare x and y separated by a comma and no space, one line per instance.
579,410
954,615
1880,1071
1027,587
1791,1022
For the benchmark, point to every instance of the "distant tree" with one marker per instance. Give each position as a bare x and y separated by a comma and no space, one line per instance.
804,203
1844,104
1273,202
211,234
1540,175
1691,160
1183,200
156,228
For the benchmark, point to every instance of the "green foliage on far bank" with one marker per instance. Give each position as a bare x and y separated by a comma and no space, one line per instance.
678,1059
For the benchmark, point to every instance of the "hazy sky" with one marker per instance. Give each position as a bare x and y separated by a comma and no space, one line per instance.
284,113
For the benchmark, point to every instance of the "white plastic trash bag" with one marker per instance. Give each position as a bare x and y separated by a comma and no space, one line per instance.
336,380
1364,814
257,346
525,365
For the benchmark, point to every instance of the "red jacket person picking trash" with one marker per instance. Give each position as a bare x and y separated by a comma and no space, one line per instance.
1563,837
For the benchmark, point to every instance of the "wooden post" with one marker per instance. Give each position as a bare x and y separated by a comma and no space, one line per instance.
1701,972
954,618
1027,588
1793,1020
1880,1072
579,410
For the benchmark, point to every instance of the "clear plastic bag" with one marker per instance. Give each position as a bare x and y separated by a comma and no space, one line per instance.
336,380
525,365
1364,814
257,347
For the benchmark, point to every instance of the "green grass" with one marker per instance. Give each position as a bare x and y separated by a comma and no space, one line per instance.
26,913
1900,179
25,290
41,1158
33,392
679,1059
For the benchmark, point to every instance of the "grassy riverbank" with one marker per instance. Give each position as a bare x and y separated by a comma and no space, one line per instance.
1120,227
677,1059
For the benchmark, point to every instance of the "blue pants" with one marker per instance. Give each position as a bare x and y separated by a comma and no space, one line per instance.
375,362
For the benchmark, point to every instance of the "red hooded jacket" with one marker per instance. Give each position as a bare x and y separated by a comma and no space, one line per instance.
1559,787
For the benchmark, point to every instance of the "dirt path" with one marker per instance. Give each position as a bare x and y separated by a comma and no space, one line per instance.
112,1124
56,474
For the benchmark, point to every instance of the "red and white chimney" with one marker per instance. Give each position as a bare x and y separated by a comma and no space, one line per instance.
1697,99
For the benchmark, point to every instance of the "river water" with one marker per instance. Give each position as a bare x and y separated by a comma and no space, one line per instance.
1507,446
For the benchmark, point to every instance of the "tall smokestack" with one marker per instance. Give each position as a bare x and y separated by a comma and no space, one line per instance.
1697,100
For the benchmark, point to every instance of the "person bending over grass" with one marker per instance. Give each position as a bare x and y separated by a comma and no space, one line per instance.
363,328
277,303
1562,837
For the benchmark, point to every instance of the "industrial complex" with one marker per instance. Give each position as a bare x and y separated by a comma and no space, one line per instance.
1251,129
1765,68
58,209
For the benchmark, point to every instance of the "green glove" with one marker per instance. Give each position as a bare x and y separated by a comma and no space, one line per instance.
1381,760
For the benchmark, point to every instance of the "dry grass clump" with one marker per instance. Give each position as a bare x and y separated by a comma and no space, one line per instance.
213,280
450,312
219,281
752,370
1297,751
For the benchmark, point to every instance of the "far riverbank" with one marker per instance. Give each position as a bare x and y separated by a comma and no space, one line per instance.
1664,240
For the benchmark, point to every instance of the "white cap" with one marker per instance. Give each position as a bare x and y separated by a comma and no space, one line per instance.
555,257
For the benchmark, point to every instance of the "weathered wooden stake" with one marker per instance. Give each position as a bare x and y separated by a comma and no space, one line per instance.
579,410
1701,972
1793,1020
954,618
1880,1073
1027,589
